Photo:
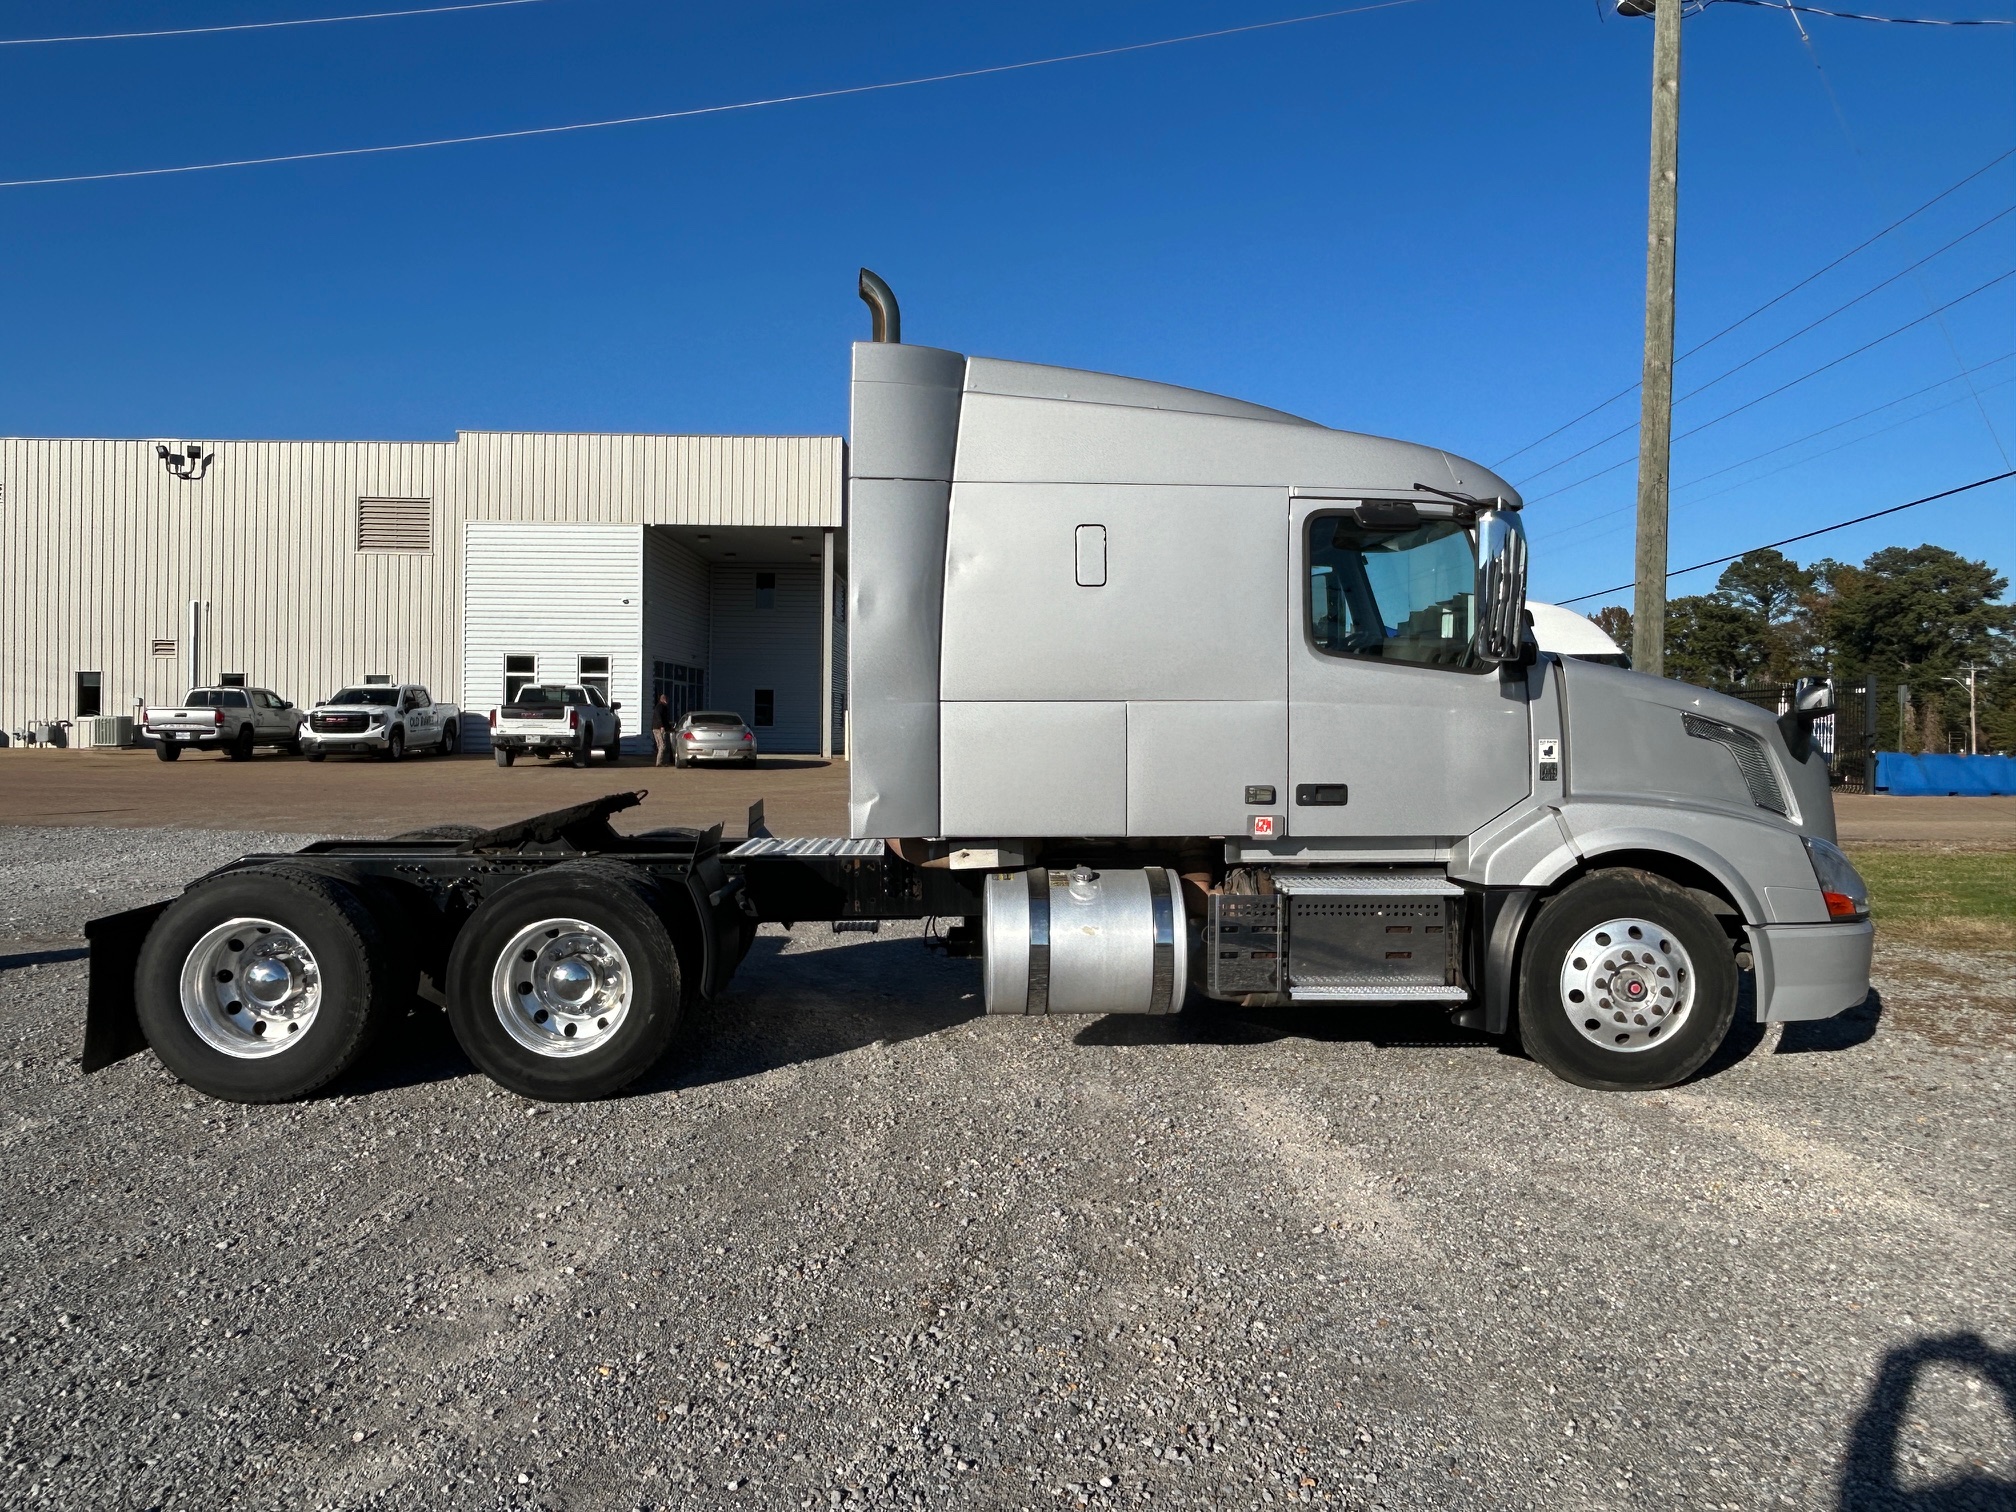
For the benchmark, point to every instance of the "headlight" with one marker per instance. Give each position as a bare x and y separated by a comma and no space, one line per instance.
1841,885
380,717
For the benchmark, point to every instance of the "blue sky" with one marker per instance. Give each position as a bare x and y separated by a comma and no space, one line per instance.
1426,221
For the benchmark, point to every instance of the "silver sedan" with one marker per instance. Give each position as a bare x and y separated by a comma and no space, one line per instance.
713,735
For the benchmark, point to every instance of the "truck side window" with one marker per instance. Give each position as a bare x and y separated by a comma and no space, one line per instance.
1400,595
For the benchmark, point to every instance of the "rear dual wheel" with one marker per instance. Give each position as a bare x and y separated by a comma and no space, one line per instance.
264,984
566,986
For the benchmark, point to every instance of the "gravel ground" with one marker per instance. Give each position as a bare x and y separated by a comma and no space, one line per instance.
857,1245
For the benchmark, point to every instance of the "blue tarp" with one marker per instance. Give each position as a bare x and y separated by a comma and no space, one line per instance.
1945,776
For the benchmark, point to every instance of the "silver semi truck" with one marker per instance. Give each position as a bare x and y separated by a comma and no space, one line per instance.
1159,695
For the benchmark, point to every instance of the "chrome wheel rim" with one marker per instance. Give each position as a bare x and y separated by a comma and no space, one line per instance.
561,987
1627,985
251,988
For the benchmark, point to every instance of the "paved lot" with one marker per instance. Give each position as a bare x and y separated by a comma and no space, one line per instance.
856,1245
352,796
802,795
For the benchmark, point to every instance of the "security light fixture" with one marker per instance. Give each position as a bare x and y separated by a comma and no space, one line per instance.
188,464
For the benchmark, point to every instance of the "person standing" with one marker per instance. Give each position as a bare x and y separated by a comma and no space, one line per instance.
661,731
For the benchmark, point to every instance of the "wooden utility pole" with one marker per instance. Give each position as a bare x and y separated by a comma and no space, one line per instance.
1655,426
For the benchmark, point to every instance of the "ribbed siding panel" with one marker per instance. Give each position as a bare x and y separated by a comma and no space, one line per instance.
556,592
775,648
101,550
675,604
839,664
789,481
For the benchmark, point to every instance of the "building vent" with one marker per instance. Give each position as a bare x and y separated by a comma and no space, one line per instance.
164,648
395,525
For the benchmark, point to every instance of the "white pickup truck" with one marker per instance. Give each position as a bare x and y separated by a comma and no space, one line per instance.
382,719
557,719
231,720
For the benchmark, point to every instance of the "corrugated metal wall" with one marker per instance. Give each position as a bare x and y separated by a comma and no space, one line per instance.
100,549
675,604
775,648
556,592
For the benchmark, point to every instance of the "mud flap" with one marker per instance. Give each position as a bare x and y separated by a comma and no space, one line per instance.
111,1026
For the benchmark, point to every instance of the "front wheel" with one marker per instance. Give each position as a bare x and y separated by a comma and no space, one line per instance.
314,755
167,752
264,984
1628,983
613,751
565,986
395,745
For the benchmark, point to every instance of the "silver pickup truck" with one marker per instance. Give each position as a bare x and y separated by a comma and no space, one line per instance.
232,720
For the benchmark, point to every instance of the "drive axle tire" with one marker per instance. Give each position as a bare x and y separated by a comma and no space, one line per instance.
449,738
1627,983
240,749
565,986
264,984
168,752
504,757
314,755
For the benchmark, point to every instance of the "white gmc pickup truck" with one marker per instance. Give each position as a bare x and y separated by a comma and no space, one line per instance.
382,719
557,719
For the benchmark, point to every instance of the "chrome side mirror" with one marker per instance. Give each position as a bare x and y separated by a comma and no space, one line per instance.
1812,698
1501,586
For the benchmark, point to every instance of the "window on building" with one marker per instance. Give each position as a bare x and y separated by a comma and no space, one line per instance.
401,525
766,590
766,708
593,672
518,671
230,679
684,688
90,694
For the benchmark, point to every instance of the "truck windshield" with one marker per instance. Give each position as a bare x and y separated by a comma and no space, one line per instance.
1401,595
382,698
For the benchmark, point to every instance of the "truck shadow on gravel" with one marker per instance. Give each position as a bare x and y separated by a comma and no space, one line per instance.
1204,1021
788,1008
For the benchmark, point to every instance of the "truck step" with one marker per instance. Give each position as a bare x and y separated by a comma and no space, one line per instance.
1340,989
1382,884
769,845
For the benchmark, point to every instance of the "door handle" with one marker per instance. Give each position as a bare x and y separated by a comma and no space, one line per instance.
1317,794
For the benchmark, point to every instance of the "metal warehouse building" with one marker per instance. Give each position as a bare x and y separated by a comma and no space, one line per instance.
706,567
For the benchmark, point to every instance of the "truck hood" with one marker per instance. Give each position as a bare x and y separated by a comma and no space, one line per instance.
1631,737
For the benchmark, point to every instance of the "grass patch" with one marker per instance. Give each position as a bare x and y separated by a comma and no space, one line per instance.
1933,895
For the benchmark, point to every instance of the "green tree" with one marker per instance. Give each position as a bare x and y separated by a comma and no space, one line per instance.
1614,620
1915,615
1773,592
1710,642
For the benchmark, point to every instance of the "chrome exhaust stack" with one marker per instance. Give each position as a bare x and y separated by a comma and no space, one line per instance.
881,301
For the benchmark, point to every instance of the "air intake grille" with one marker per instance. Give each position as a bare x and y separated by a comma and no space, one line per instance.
395,525
1750,760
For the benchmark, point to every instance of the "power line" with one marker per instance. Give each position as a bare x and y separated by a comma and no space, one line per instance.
1812,10
1809,436
704,110
1807,535
1775,299
1809,326
1771,394
242,26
